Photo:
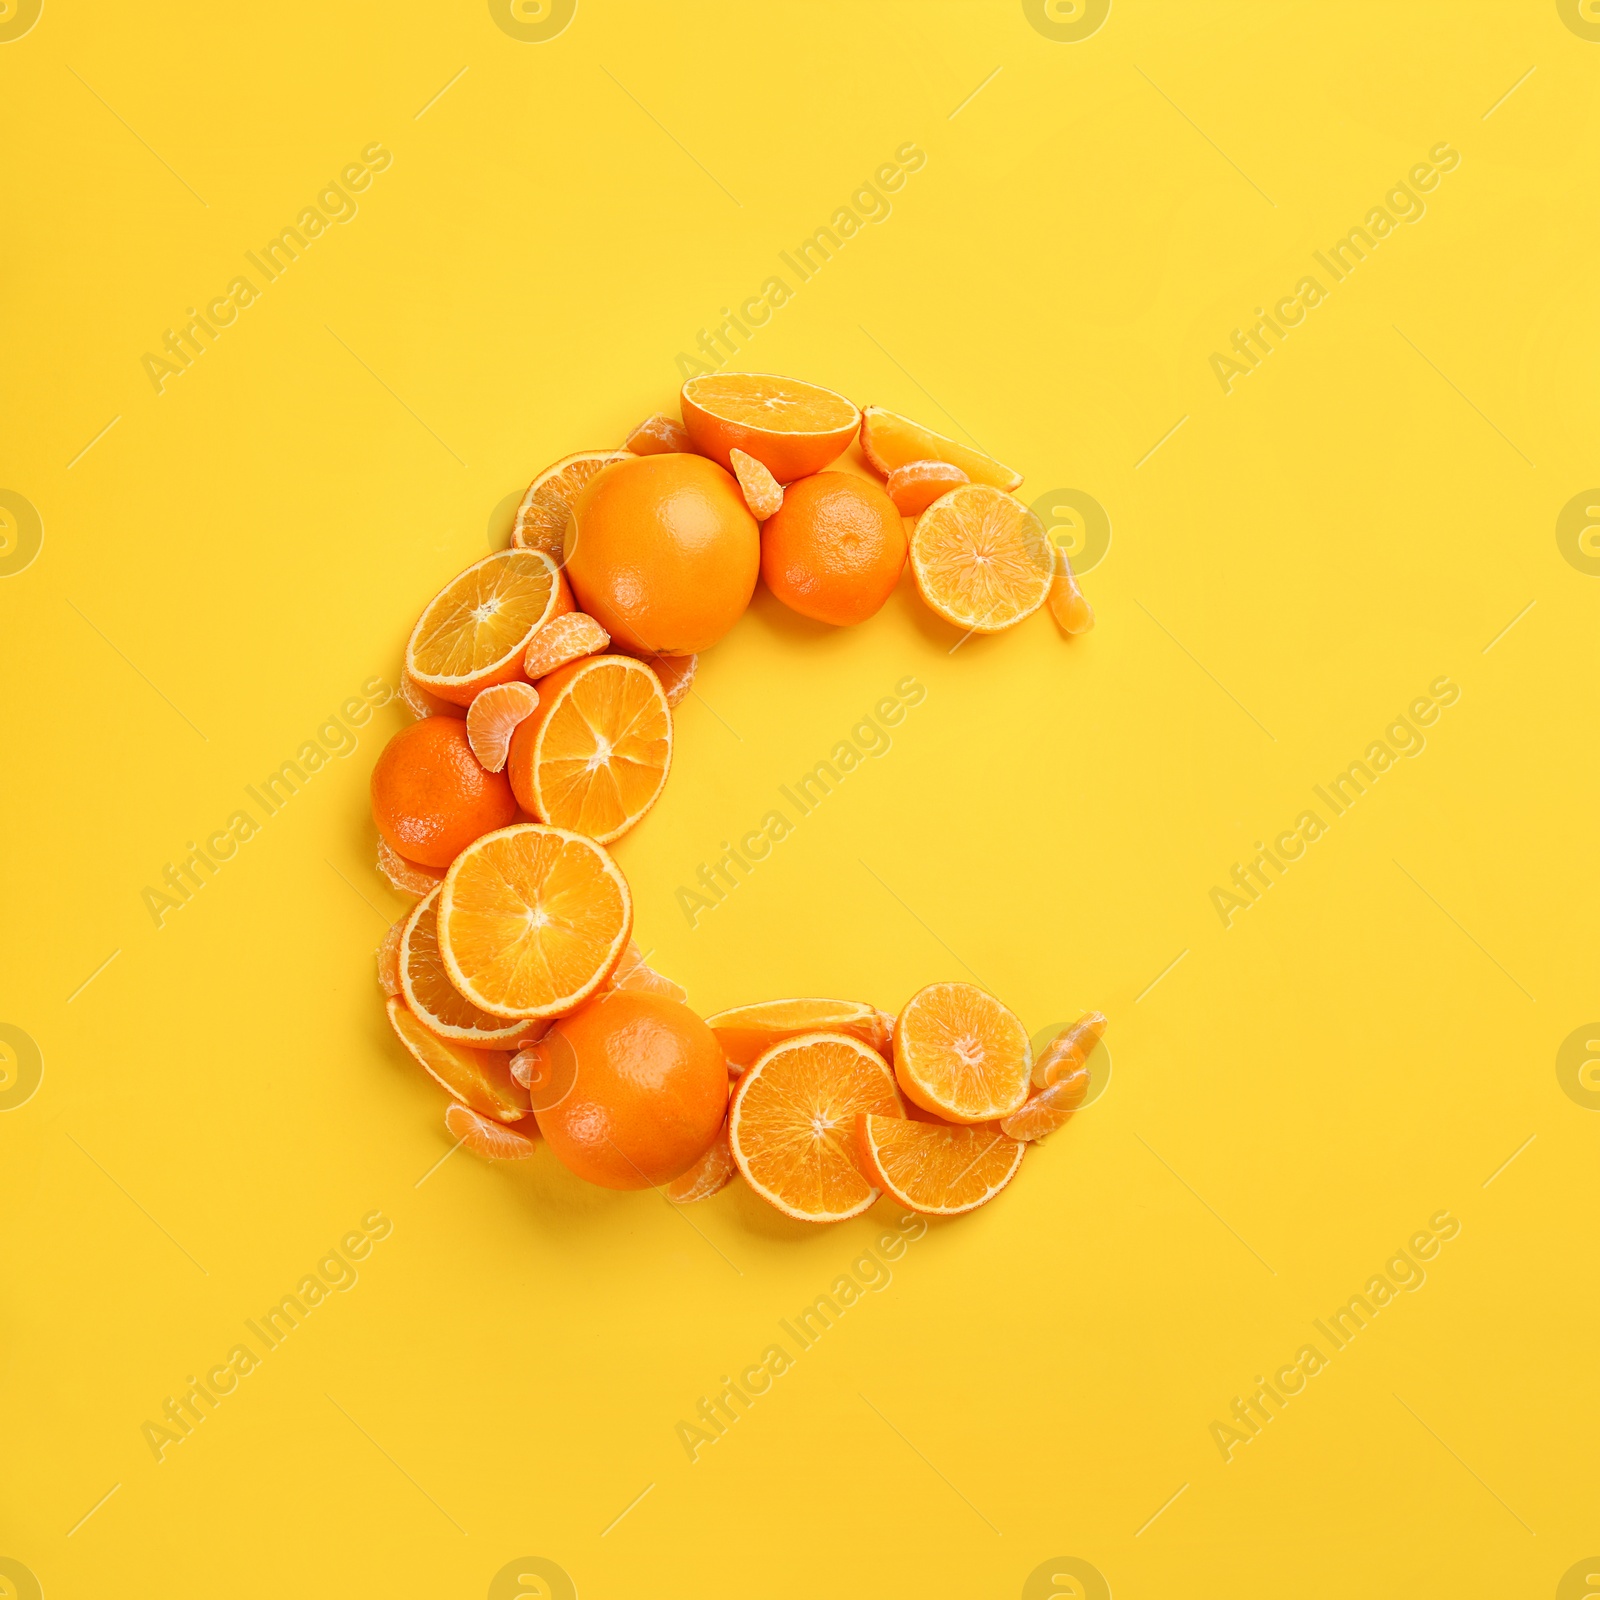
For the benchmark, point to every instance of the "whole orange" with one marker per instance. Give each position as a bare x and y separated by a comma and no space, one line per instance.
663,553
649,1089
836,550
431,797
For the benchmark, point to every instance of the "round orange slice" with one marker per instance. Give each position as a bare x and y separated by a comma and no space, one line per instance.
745,1031
493,1141
541,520
475,630
478,1078
532,920
981,559
960,1054
791,1124
595,755
935,1169
434,1000
889,441
566,638
493,717
791,428
915,486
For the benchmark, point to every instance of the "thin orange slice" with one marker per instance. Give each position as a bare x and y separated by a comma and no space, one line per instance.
434,1000
1070,1048
938,1170
595,755
491,1140
532,920
389,958
421,704
406,876
1049,1109
475,630
493,717
659,436
763,494
981,559
791,1124
915,486
791,428
632,973
960,1054
569,637
1067,603
711,1173
745,1031
889,441
478,1078
541,520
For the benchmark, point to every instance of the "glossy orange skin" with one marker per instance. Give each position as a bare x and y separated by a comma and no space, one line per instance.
663,553
431,797
836,550
650,1094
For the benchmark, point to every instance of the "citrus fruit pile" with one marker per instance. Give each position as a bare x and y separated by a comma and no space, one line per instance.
543,679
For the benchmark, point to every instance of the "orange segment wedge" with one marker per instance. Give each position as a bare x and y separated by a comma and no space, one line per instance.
745,1031
632,973
493,1141
1049,1109
889,441
1069,1050
762,492
791,428
960,1054
493,717
406,876
659,436
478,1078
475,630
569,637
541,520
711,1173
915,486
595,755
434,1000
938,1170
981,559
791,1124
532,920
1067,603
389,958
421,704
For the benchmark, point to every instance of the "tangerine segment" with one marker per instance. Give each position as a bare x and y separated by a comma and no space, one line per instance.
434,999
960,1054
478,1078
915,486
1067,603
762,492
406,876
632,973
491,1140
889,441
532,920
569,637
659,436
1070,1048
791,428
595,755
712,1172
474,631
1048,1110
541,520
981,559
389,958
421,704
939,1170
746,1031
493,717
791,1124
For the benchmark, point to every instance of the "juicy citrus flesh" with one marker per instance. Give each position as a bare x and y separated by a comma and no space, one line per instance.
915,486
434,1000
541,520
889,441
762,492
791,428
745,1032
481,1136
714,1171
563,639
835,549
405,876
658,436
981,559
932,1168
532,919
791,1123
961,1054
493,717
478,1078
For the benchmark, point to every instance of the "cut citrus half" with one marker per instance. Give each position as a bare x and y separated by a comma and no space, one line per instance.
1070,1048
478,1078
532,920
475,630
791,428
938,1170
960,1054
791,1123
493,717
889,441
632,973
762,492
595,755
389,958
981,558
493,1141
915,486
406,876
541,520
1067,603
711,1173
569,637
1049,1109
659,436
421,704
745,1031
434,1000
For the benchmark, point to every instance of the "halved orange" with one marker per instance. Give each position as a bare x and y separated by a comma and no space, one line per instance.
493,717
532,920
791,428
659,436
569,637
711,1173
595,755
981,558
889,441
407,876
434,1000
1049,1109
541,520
478,1078
632,973
791,1124
960,1054
475,630
494,1141
1067,603
389,958
939,1170
745,1031
915,486
1067,1052
763,494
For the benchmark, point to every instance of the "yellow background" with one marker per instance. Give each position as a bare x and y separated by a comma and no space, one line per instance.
1364,1047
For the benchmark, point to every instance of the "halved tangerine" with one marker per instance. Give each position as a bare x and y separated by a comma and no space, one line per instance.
434,1000
745,1031
932,1168
541,520
981,558
889,441
491,1140
493,717
478,1078
960,1054
569,637
791,428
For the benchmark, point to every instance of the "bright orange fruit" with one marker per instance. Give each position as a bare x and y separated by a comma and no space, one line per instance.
791,428
493,717
939,1170
434,1000
981,559
431,795
763,494
493,1141
889,441
478,1078
569,637
915,486
960,1054
835,549
541,520
744,1032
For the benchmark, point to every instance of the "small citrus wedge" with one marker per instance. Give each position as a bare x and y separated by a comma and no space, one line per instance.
434,1000
1049,1109
889,441
406,876
389,958
745,1031
421,704
710,1174
960,1054
1067,603
659,436
1070,1048
541,520
981,559
493,717
791,428
632,973
478,1078
482,1136
569,637
938,1170
762,492
915,486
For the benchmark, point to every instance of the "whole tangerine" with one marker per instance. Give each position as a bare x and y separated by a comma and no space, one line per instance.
431,796
836,550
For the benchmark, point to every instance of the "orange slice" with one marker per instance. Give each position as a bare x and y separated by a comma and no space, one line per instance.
763,494
791,428
493,717
1067,604
475,630
938,1170
915,486
421,704
712,1172
960,1054
791,1124
659,436
406,876
532,920
1048,1110
389,958
1067,1052
569,637
632,973
889,441
595,755
981,559
494,1141
434,1000
478,1078
541,519
745,1031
